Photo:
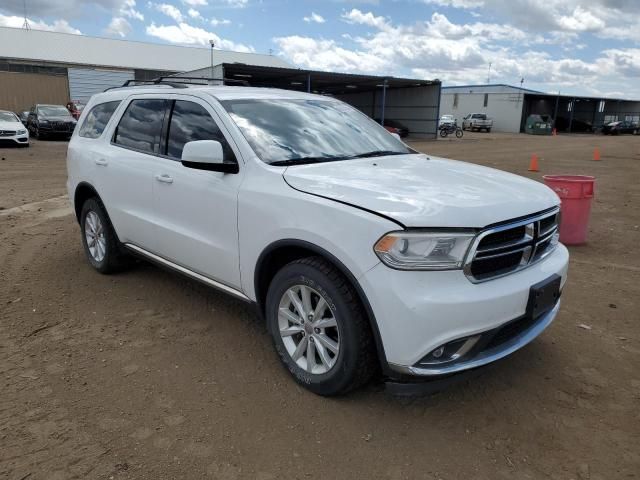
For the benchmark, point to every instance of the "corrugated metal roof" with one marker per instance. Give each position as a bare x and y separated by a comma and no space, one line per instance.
67,48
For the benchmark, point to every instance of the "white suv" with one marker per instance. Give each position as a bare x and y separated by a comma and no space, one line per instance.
362,254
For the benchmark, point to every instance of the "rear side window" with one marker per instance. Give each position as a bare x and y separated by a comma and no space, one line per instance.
190,122
96,120
141,125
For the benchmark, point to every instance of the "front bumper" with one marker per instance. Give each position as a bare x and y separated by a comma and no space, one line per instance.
22,139
418,311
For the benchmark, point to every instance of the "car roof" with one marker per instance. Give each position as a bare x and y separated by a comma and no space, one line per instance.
217,91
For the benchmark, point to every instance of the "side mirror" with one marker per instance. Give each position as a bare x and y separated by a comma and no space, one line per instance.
206,155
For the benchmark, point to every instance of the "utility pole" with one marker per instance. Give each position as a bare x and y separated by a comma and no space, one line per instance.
212,43
489,74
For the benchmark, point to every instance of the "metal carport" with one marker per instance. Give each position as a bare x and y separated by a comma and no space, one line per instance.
414,103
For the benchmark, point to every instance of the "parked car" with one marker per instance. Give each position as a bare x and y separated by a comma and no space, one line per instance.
361,254
23,116
75,108
394,126
616,128
446,120
477,121
538,124
12,132
49,121
577,125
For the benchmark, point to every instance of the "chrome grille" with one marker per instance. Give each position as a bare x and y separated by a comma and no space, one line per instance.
507,248
62,126
7,133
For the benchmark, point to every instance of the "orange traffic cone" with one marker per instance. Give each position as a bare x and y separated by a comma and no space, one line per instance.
533,165
596,154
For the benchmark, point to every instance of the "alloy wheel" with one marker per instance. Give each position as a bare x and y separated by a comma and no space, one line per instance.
94,234
308,329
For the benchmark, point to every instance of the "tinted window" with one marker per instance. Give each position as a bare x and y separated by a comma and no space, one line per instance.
97,119
190,122
141,125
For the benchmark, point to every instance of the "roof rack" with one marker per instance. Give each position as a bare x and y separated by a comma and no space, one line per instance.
180,82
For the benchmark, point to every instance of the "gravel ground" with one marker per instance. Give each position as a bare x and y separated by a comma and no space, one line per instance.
148,375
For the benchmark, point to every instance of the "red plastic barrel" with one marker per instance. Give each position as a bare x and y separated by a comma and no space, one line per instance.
576,192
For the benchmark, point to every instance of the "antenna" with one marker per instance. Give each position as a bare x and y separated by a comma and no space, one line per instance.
25,25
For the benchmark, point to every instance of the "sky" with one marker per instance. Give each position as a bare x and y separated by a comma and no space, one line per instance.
575,47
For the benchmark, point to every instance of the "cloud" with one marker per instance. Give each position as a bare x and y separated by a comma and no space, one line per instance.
196,3
359,17
71,8
118,27
195,14
327,55
186,34
219,21
236,3
57,25
460,53
456,3
169,10
128,9
314,17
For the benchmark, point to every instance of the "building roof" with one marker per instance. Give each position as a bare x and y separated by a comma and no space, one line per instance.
488,88
39,45
296,79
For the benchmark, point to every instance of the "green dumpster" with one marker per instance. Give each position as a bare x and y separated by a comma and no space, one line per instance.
538,125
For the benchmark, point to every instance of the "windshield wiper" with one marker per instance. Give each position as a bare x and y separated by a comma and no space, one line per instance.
304,161
376,153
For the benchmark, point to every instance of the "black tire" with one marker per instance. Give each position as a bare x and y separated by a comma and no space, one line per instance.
459,133
488,130
443,133
115,259
355,362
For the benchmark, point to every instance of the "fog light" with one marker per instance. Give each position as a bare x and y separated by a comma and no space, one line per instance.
437,353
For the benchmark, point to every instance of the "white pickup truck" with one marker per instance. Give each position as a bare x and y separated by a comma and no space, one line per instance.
477,121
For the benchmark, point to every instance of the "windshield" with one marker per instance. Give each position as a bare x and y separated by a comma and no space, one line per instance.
53,111
8,117
283,131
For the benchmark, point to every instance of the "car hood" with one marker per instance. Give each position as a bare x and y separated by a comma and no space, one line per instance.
11,126
424,191
58,119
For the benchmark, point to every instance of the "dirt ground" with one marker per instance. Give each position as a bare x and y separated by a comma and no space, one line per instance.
148,375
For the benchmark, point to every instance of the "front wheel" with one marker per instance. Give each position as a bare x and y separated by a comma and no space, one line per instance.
319,328
459,133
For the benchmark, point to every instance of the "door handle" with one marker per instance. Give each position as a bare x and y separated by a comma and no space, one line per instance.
101,161
164,178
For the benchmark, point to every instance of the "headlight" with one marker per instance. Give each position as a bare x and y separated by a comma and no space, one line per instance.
424,250
21,132
43,121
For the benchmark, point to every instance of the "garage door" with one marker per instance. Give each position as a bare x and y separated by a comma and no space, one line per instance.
20,91
84,82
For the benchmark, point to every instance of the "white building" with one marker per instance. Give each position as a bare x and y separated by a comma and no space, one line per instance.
502,103
510,106
49,67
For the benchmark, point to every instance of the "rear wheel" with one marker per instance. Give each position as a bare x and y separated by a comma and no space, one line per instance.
443,132
318,327
459,133
99,239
